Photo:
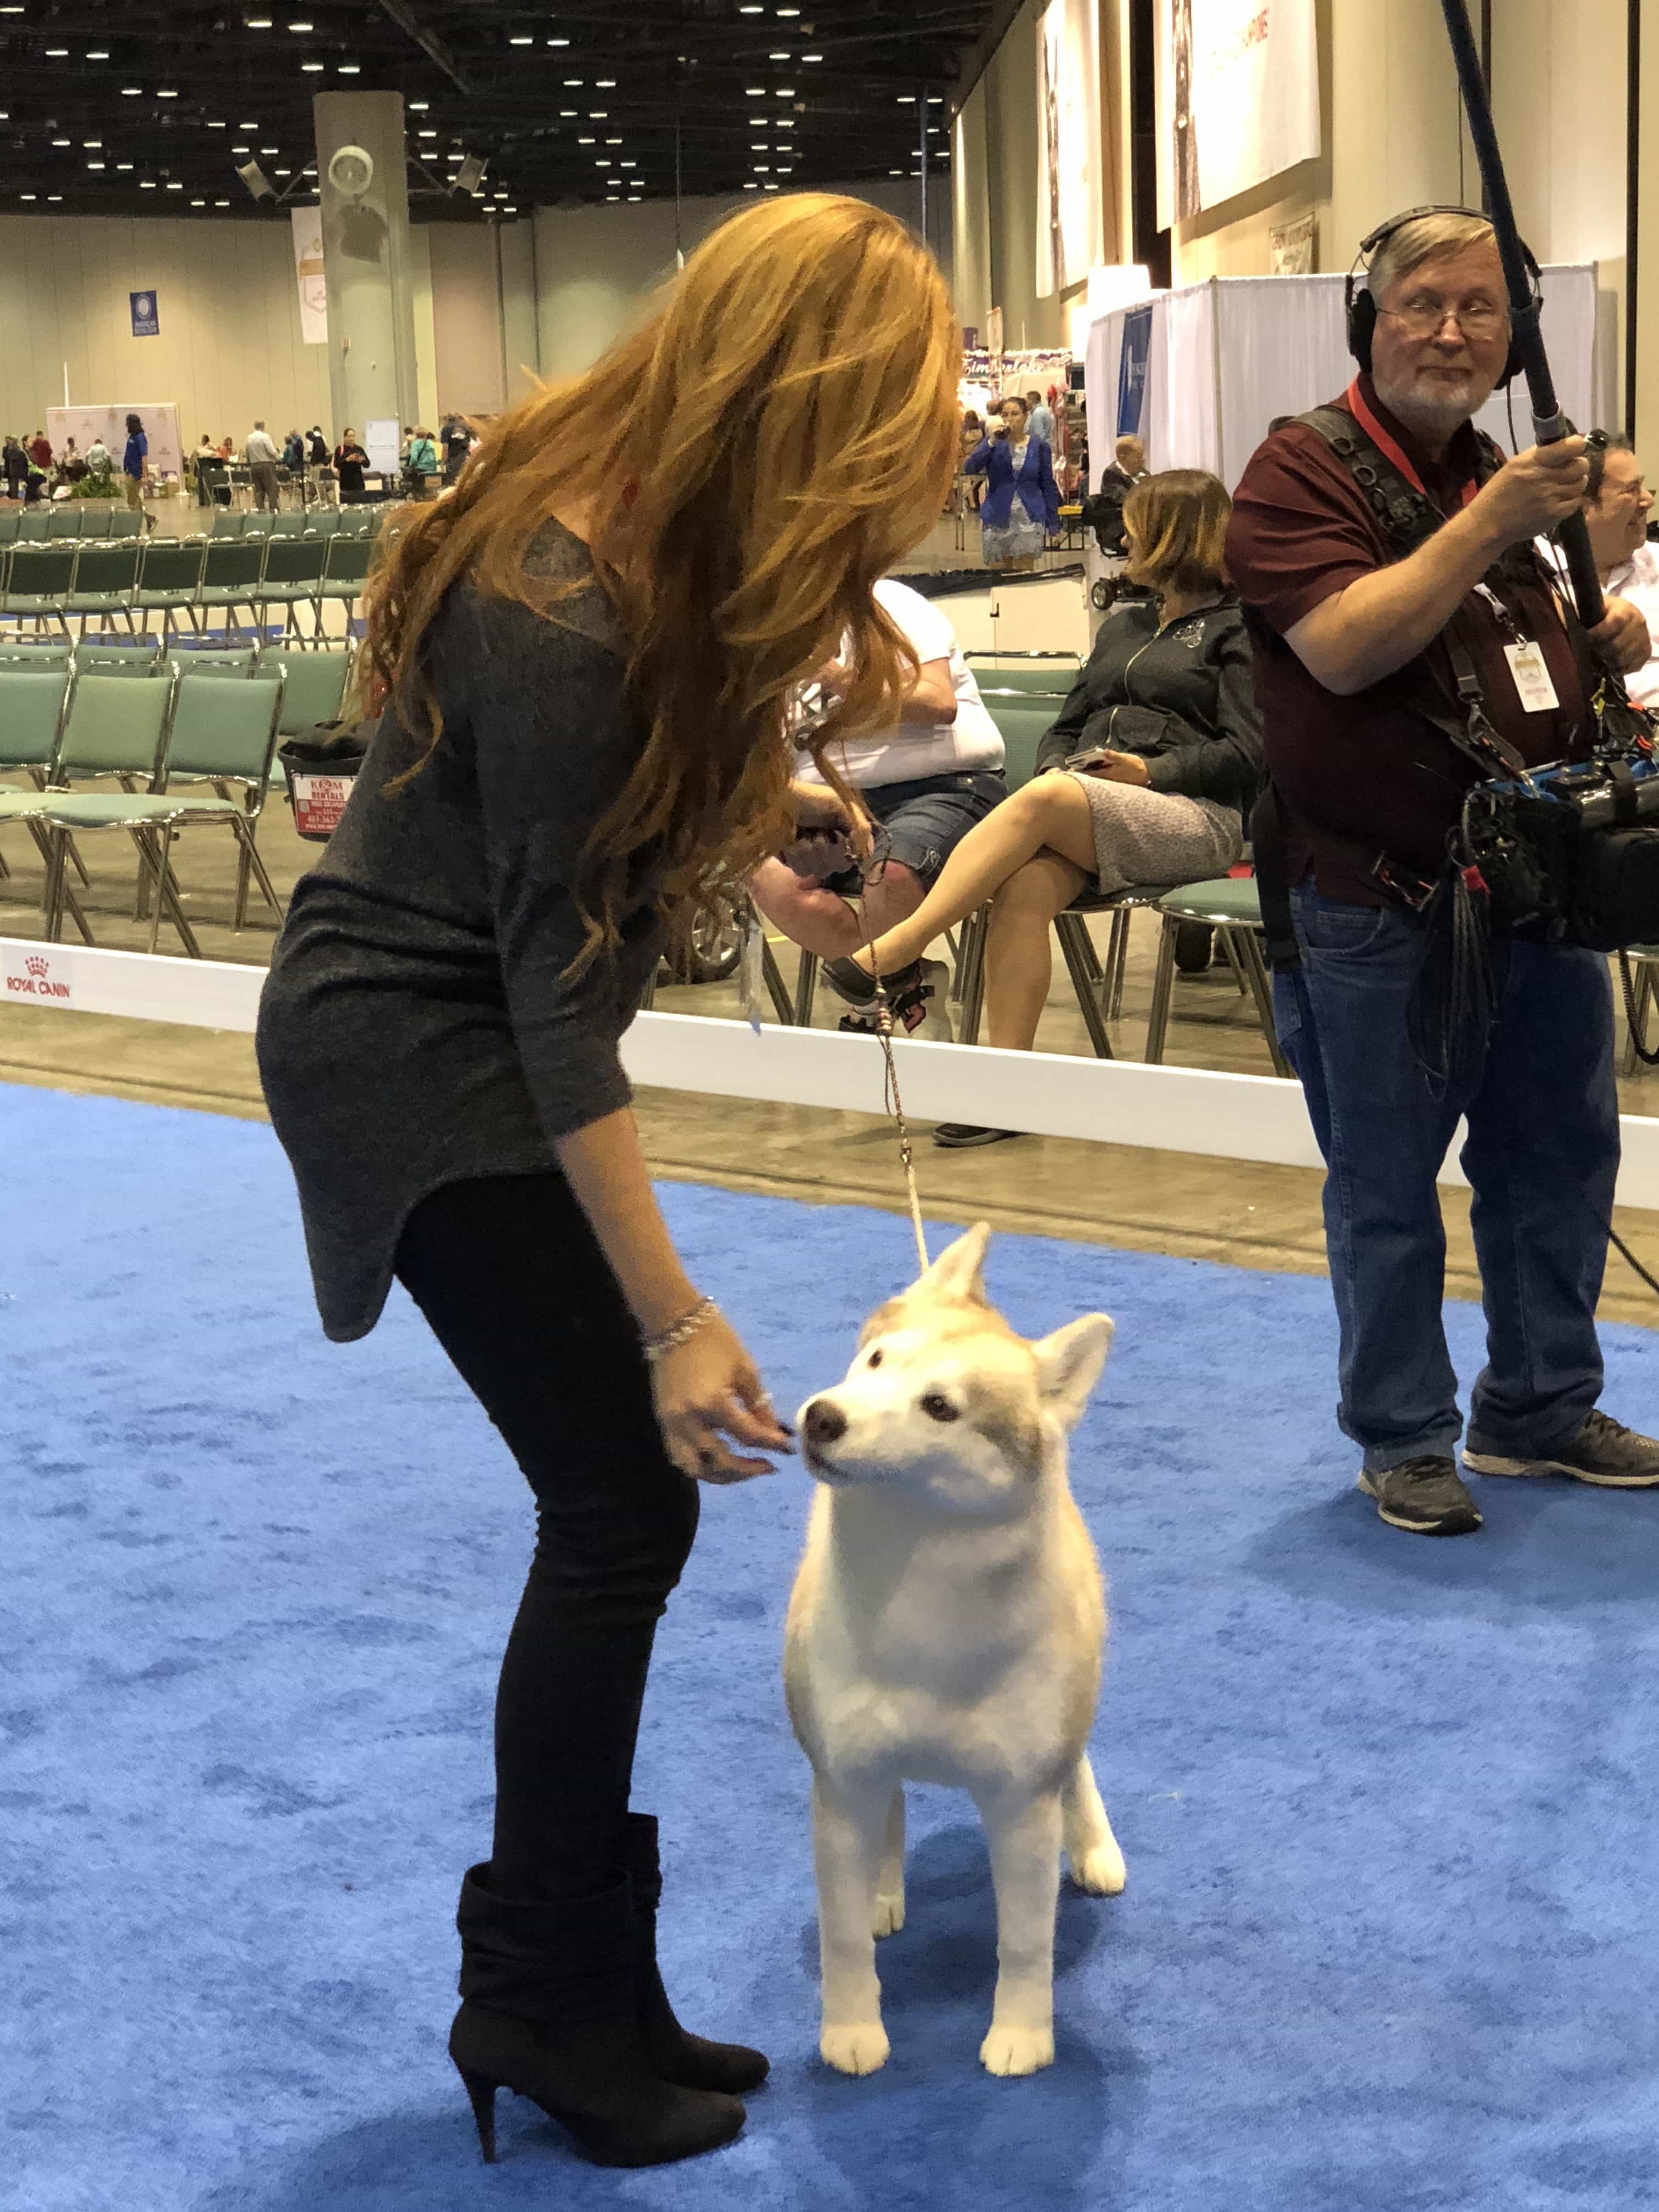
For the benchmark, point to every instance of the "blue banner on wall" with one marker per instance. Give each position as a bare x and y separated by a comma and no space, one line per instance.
145,319
1132,372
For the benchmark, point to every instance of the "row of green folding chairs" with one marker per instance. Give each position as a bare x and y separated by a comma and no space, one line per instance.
68,518
301,522
184,580
199,720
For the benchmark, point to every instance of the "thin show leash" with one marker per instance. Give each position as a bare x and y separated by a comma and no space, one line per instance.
891,1098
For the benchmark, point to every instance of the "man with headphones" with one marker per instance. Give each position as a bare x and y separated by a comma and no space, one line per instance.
1382,549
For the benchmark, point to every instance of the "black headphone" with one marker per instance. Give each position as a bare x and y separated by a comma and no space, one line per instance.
1361,308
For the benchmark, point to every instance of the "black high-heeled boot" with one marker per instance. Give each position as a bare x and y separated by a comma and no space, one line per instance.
679,2055
549,2010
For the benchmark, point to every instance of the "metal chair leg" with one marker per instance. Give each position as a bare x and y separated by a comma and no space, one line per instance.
1117,959
1249,953
777,989
806,985
973,974
250,864
1085,971
1158,1021
1639,1032
1233,960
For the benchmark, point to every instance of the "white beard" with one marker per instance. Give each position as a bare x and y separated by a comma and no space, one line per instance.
1434,412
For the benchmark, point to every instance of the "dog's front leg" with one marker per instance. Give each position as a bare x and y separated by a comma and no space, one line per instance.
1023,1835
889,1886
849,1824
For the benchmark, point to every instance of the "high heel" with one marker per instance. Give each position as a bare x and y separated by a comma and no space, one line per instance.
692,2061
482,2094
549,2010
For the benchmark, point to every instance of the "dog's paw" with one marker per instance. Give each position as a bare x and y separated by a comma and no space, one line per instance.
1101,1871
1016,2050
889,1915
860,2048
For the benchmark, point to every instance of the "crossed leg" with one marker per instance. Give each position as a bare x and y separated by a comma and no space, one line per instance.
1049,815
821,921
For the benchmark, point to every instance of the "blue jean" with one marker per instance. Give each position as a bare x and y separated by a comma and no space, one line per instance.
1541,1156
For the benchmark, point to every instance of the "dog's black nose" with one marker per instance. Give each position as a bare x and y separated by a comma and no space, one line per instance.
824,1422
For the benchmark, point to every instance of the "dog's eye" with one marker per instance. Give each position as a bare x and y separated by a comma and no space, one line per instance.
938,1408
874,1359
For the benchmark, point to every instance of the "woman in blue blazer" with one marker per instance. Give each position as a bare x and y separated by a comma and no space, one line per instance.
1021,510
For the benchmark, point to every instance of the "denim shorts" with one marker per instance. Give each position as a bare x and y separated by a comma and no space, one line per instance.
925,821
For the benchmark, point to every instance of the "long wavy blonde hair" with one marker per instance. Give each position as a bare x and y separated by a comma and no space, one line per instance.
774,438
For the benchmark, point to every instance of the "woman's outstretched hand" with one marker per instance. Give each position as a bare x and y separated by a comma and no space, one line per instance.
708,1390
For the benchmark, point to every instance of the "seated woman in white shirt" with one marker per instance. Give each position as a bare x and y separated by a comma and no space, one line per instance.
923,784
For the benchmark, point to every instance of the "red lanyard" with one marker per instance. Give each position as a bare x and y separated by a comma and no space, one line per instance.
1396,452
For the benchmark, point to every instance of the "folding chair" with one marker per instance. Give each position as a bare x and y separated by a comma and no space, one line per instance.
119,656
227,524
293,578
39,578
345,568
230,579
114,725
106,577
289,524
126,522
9,519
190,658
224,732
34,652
168,581
94,520
33,526
1231,906
33,700
63,520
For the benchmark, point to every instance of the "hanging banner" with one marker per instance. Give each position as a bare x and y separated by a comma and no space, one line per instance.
1071,184
1132,372
1237,98
308,270
146,318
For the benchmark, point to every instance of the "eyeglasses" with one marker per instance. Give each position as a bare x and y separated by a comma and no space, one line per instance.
1426,318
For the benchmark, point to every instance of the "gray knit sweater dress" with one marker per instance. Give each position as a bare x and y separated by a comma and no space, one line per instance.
418,1027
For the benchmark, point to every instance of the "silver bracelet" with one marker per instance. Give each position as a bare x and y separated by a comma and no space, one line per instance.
681,1331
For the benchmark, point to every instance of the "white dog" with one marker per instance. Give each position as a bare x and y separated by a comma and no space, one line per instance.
947,1625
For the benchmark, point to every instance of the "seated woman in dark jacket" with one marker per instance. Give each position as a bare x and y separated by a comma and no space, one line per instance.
1146,776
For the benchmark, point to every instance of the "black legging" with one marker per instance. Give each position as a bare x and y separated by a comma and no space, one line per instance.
510,1276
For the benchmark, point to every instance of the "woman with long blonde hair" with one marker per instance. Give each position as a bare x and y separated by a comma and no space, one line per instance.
588,651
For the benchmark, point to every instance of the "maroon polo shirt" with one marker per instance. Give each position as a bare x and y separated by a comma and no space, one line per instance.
1365,775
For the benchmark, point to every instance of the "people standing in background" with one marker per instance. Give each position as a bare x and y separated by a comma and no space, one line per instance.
101,464
16,463
205,460
316,454
227,447
457,444
1021,510
134,464
1041,416
71,466
350,462
422,461
261,455
293,452
40,450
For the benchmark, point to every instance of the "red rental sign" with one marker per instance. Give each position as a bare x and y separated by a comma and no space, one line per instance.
318,803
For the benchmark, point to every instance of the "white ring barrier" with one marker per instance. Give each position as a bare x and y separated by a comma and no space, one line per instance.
1117,1101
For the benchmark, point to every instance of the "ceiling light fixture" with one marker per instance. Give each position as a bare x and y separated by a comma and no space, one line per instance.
131,91
312,68
57,53
299,27
147,184
521,42
419,107
167,95
124,165
97,54
349,69
812,58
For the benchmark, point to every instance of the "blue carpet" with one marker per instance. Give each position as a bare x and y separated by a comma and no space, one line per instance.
1391,1934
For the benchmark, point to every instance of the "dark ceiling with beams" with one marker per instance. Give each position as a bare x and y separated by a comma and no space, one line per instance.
147,106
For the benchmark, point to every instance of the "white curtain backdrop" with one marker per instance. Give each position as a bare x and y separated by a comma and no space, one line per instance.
1229,356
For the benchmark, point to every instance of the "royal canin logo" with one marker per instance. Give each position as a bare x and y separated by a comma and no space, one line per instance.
38,967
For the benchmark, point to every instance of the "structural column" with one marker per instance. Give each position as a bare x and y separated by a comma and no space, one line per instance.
365,262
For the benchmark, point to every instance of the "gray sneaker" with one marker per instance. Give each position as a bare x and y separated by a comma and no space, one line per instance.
1424,1495
1600,1450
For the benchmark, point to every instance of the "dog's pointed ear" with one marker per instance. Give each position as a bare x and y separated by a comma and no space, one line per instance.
1069,1363
957,1272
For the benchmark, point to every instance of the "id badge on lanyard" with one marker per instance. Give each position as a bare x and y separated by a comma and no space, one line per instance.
1526,659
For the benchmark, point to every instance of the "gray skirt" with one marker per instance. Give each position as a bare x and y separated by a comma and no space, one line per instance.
1158,836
